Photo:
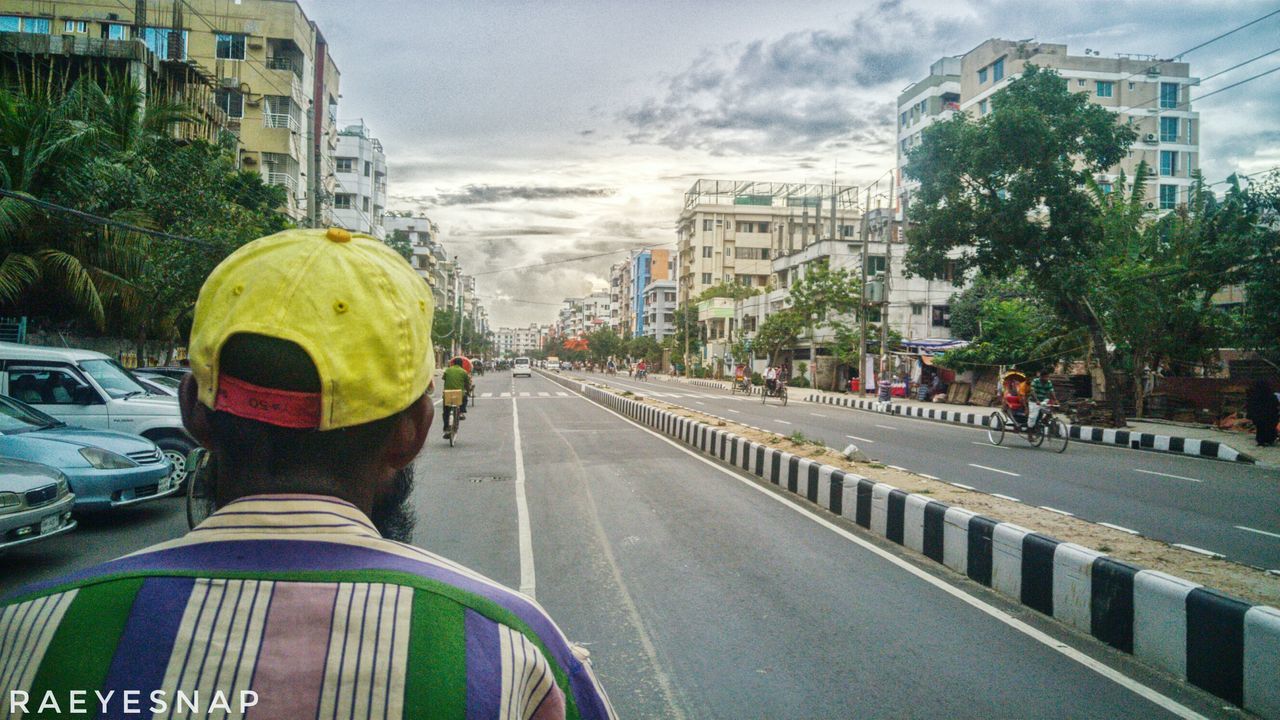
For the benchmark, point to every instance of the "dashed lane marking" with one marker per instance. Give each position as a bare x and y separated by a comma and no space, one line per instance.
860,439
1199,550
1006,497
1056,510
784,422
966,487
987,444
887,427
818,414
1002,472
1260,532
1121,528
1175,477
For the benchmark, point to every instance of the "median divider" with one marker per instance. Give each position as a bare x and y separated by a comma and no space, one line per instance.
1221,644
1199,447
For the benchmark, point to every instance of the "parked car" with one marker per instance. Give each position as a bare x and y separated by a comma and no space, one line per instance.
177,372
106,469
35,503
521,367
159,385
88,389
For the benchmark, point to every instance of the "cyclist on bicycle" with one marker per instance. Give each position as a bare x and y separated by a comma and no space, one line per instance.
771,379
456,378
1039,392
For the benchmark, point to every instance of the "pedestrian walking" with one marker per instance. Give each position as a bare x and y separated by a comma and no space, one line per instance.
301,588
1263,409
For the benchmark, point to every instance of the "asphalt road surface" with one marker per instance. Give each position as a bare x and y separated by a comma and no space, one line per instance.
1227,508
702,593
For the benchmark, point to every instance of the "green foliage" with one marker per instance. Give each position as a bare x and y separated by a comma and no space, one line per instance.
1014,332
732,290
757,379
398,240
779,330
826,293
604,344
687,337
1259,273
445,329
646,348
799,381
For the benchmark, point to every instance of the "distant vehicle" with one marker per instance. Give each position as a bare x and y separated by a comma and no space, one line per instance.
106,469
552,363
521,367
35,503
566,365
159,385
89,389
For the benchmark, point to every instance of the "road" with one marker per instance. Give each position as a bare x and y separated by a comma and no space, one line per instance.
1226,508
702,593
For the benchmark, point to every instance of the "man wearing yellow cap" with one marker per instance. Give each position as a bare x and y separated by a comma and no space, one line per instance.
310,363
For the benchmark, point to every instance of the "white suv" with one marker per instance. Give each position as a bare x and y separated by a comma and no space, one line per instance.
521,366
89,389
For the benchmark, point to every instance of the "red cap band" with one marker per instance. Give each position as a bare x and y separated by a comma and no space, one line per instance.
283,408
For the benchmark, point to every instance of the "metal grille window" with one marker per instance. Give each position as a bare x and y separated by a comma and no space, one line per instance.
230,47
279,111
231,102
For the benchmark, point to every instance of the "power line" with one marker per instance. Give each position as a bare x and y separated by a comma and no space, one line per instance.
569,260
103,221
1236,84
1229,32
1240,65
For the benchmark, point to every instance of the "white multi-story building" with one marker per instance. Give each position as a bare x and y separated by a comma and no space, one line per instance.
934,99
659,309
514,342
360,193
429,257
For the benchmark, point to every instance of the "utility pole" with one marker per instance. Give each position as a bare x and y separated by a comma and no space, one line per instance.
888,255
862,301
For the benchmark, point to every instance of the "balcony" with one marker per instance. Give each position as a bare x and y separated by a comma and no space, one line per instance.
282,178
281,120
280,62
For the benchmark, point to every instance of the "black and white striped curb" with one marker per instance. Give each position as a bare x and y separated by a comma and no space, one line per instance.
1214,641
1198,447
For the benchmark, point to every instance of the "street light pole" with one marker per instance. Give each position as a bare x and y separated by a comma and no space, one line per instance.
862,301
813,350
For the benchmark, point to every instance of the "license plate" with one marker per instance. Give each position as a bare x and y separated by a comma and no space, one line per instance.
50,524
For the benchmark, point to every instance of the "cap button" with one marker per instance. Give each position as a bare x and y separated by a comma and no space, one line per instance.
338,235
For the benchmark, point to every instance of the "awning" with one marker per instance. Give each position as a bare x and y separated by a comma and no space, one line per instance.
933,347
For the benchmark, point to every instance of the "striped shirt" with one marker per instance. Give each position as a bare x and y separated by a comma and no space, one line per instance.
290,606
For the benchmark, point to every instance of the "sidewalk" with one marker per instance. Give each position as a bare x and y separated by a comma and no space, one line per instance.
1160,437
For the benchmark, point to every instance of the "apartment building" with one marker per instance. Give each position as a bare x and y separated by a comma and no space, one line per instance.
936,98
619,298
429,257
515,342
659,308
730,231
1152,95
360,181
274,77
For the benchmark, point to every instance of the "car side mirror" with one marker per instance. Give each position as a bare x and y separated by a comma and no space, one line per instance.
83,395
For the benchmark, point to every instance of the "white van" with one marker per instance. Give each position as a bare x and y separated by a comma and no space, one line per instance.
89,389
521,366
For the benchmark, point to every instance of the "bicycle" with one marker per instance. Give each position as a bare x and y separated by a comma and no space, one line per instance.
453,399
741,385
1048,427
779,391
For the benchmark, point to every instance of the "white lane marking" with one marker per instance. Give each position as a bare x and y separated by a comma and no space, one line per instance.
987,444
1121,528
966,487
735,412
1255,530
562,394
505,394
488,394
784,422
887,427
1199,550
528,581
931,477
697,402
1056,510
524,394
898,468
865,440
1002,472
1039,636
817,414
1175,477
544,394
1006,497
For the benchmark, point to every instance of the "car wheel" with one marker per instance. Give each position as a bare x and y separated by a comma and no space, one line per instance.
175,451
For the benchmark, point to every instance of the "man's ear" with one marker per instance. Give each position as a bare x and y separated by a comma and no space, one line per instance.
195,416
410,433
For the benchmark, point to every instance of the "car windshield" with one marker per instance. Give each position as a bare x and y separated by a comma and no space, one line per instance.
19,417
165,380
112,378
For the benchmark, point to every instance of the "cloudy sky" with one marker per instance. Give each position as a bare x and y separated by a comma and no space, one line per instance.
541,131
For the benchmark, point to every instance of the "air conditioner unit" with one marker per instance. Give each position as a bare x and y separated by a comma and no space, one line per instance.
1151,205
1151,138
228,82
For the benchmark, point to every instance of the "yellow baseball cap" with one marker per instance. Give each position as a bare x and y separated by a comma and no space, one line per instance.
351,302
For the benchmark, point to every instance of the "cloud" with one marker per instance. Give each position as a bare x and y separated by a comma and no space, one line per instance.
796,92
487,194
517,231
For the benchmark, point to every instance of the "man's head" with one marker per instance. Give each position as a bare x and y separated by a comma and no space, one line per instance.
1044,373
311,356
456,361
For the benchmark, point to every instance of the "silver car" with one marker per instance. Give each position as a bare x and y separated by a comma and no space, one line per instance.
35,503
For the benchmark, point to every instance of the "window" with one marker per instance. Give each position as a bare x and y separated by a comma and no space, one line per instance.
1080,82
950,272
669,297
1168,95
1190,131
1105,88
344,201
902,119
367,167
112,31
707,225
762,227
1168,197
997,70
13,23
982,107
904,144
706,251
345,164
157,40
941,316
982,76
875,264
1168,129
1105,187
231,102
706,278
50,386
75,26
1168,163
230,47
917,309
1131,86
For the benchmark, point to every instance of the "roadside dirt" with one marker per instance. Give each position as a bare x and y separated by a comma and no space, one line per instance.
1251,584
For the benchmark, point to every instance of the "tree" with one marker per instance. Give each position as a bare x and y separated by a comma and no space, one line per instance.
603,344
780,330
646,348
398,240
1009,189
1259,267
826,293
687,340
731,290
